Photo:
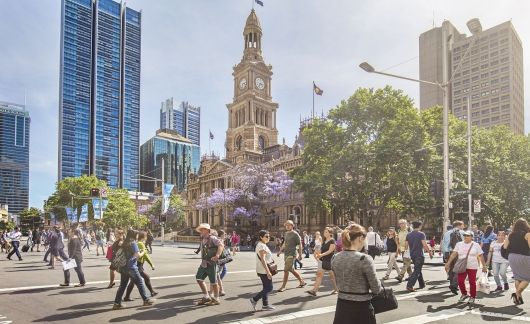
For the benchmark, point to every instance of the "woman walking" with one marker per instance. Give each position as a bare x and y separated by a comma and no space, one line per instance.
130,271
356,279
142,236
518,245
324,256
263,257
467,249
391,248
111,252
498,263
74,253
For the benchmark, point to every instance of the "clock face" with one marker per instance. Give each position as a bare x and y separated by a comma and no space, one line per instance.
243,84
260,84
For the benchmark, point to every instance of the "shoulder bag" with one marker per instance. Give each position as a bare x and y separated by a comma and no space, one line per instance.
461,264
273,267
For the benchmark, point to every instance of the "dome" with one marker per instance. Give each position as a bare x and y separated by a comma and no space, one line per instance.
252,21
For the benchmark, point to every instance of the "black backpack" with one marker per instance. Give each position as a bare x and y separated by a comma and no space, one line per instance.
454,238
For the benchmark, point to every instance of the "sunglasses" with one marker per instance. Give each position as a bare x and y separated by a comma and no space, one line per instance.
267,236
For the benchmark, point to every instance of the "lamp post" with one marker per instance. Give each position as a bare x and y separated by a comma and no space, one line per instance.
475,27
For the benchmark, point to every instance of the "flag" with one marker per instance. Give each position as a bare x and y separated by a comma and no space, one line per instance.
166,192
84,214
259,2
211,135
317,90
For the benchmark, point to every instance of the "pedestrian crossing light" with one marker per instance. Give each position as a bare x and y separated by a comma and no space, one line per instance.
436,189
94,192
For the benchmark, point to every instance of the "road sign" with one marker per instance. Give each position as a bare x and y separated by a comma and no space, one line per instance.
103,192
476,206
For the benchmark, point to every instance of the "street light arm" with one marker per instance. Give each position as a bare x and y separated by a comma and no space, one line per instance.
409,79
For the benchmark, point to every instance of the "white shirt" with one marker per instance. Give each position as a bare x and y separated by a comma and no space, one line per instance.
476,250
496,256
15,236
372,238
268,257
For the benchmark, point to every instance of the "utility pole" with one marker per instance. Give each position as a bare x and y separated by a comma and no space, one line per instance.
469,179
162,201
445,89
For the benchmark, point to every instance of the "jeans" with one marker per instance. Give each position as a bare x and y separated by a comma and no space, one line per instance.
267,288
348,312
15,245
416,273
78,270
499,270
392,263
133,274
223,271
87,245
472,273
306,250
147,281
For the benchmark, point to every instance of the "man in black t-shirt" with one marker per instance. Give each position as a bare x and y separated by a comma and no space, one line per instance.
416,243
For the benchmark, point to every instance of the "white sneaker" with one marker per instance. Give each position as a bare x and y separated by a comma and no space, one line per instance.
463,298
253,303
471,301
268,308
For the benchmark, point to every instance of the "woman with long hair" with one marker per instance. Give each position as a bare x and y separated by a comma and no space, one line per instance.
111,252
356,279
498,263
142,236
263,257
324,256
130,271
518,246
391,248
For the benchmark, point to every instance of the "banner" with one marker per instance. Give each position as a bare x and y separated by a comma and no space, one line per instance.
71,214
84,214
97,210
166,192
104,204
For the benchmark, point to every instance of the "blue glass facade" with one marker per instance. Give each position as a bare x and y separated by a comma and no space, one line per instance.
180,156
100,91
184,118
14,157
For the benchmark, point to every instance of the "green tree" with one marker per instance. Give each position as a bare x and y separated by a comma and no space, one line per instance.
121,211
30,218
175,214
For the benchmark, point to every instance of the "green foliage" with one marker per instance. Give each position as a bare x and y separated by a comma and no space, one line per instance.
175,214
30,218
121,211
375,152
7,226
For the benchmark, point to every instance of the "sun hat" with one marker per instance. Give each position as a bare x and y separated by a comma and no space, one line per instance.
203,226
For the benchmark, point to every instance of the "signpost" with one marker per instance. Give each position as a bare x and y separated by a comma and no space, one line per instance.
476,206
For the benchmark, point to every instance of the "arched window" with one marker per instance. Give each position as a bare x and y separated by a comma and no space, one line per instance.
239,143
261,143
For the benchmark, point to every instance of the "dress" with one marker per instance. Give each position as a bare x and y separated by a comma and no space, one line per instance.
519,256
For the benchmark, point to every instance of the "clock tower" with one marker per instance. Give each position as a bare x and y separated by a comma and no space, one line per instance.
252,114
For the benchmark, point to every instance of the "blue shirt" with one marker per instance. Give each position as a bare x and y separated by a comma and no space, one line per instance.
414,239
491,238
131,259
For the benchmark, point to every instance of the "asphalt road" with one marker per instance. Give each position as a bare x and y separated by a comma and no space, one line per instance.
30,293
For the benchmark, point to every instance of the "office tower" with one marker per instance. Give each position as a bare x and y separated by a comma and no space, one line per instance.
14,157
180,159
183,118
491,74
99,101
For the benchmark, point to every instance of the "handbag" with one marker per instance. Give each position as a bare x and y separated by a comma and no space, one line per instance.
384,301
273,267
504,252
461,264
225,257
483,283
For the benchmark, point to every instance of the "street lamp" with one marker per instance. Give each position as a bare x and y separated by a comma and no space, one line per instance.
475,28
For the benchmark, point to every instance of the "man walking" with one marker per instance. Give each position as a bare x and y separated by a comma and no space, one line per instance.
306,244
477,234
100,241
211,249
416,243
452,236
402,233
290,244
15,236
374,242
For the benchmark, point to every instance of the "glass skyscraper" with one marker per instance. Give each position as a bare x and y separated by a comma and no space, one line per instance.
14,157
99,104
183,118
181,157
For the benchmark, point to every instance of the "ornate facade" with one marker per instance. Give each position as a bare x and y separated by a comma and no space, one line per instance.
251,137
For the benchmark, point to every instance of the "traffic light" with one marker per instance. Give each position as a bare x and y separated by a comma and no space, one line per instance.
436,189
163,219
94,192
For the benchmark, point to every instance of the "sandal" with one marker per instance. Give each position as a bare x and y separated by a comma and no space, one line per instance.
312,293
281,289
302,285
334,292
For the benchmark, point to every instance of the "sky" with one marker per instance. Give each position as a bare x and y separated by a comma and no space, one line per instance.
189,48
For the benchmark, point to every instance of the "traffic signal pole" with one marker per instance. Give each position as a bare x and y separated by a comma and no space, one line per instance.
162,224
469,179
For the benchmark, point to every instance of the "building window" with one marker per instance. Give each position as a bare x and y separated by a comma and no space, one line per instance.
261,143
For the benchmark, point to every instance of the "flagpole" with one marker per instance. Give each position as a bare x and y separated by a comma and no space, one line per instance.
313,112
209,141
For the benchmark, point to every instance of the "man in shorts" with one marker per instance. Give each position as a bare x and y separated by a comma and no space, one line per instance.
292,241
211,249
100,241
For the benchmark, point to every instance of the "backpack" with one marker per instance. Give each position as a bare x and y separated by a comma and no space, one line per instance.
99,236
454,238
119,259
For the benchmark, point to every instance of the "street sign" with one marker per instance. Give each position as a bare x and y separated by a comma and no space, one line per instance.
476,206
103,192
